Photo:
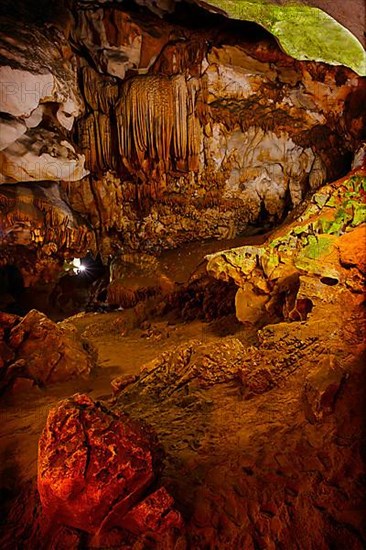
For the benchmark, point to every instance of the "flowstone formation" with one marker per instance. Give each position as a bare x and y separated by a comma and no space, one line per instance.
152,131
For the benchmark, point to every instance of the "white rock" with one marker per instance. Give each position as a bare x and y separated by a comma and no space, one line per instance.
22,91
38,156
10,131
260,166
67,112
35,117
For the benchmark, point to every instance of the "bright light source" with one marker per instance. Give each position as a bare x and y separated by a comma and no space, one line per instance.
77,266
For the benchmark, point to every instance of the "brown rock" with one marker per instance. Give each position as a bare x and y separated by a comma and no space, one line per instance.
352,248
121,382
7,320
6,354
155,516
42,351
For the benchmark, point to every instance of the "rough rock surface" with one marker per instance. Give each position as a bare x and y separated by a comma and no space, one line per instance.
36,349
273,457
268,436
263,430
94,470
39,231
231,148
39,93
303,31
189,131
299,264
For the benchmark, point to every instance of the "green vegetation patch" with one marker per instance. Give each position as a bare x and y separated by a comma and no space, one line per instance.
304,32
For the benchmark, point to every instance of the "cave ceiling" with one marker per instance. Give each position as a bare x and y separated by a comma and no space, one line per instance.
148,124
320,30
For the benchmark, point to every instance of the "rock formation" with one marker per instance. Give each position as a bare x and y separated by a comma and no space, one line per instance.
39,92
36,349
132,128
39,230
293,272
272,451
97,481
188,132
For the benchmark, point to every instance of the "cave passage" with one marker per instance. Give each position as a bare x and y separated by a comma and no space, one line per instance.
182,270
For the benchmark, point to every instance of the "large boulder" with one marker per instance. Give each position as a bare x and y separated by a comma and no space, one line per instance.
94,469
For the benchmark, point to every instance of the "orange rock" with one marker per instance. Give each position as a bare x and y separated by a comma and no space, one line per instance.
352,248
95,465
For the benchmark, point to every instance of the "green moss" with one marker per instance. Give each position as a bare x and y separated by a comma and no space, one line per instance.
269,262
317,246
349,204
308,246
320,199
304,32
359,215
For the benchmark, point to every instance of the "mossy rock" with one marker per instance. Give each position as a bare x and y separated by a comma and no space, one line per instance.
304,32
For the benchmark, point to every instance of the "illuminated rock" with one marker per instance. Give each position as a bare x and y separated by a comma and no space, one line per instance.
300,28
322,388
10,131
94,469
156,517
38,230
290,273
40,155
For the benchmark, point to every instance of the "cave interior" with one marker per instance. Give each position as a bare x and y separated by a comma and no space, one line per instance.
182,270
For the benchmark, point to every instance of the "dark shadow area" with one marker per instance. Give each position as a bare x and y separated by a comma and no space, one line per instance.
11,290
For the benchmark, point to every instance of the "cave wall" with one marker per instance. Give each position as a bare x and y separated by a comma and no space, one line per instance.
158,128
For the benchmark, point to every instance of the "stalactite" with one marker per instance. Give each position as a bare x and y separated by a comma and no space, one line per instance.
158,125
181,57
100,92
38,219
95,142
194,127
180,136
145,121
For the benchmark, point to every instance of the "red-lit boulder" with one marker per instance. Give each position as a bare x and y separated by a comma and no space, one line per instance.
94,466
